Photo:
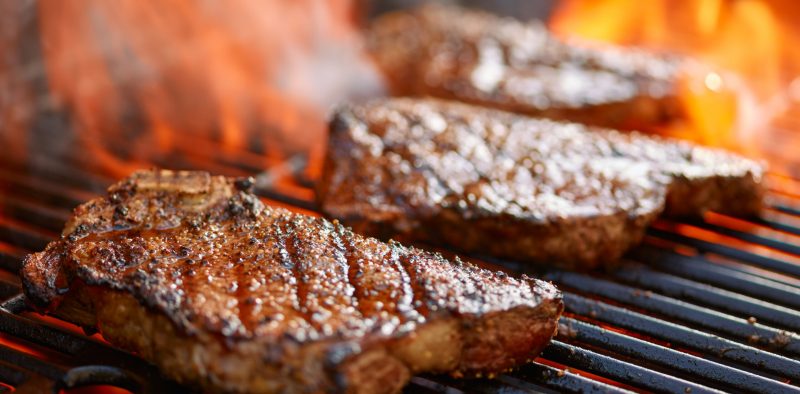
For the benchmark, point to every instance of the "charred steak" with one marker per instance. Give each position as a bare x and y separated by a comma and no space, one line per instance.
196,275
517,187
476,57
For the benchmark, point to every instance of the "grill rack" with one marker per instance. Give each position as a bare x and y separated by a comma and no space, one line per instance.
685,313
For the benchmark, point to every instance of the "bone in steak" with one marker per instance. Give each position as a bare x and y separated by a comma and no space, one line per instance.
516,187
221,292
473,56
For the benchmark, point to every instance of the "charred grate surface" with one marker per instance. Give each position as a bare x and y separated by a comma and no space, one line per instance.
702,306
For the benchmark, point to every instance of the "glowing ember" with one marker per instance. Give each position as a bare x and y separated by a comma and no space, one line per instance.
753,39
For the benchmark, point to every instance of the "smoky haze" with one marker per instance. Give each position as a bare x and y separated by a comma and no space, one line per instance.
131,79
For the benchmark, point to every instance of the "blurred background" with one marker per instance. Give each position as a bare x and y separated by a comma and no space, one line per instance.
127,82
91,90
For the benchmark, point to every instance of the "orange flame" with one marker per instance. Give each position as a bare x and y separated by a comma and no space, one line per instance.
142,78
753,39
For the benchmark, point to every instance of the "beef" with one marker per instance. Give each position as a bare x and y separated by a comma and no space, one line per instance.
515,187
195,274
473,56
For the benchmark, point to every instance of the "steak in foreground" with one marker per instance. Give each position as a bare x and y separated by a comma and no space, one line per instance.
516,187
196,275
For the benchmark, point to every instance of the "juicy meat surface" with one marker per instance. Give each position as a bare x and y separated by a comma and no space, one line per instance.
474,56
516,187
198,276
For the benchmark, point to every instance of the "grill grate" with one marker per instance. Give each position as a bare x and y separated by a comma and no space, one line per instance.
702,306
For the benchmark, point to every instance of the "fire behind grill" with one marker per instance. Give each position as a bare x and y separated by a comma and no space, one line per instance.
702,306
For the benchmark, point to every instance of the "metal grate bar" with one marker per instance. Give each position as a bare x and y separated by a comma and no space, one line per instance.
427,385
705,370
29,330
620,370
14,305
78,351
786,209
41,195
702,270
40,200
485,386
700,293
547,378
28,362
749,237
46,191
11,375
22,238
58,172
561,380
776,225
683,336
9,262
752,258
783,341
280,197
8,289
42,216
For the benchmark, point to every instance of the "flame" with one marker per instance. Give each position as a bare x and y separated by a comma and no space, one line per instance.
752,39
141,80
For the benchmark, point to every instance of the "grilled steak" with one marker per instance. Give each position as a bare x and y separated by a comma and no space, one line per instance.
517,187
196,275
476,57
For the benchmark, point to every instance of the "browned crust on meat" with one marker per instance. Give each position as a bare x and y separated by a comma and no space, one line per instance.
575,243
476,57
464,348
140,265
733,195
407,168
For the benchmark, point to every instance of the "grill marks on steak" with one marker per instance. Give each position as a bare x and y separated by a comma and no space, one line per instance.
225,293
476,57
521,188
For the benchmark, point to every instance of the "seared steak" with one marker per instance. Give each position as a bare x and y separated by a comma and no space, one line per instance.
196,275
476,57
517,187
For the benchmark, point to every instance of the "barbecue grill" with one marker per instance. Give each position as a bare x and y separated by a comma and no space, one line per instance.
701,306
705,305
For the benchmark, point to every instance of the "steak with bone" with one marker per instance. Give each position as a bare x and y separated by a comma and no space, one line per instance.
195,274
516,187
473,56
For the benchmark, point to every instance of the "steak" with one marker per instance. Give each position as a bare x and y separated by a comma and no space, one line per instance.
195,274
473,56
516,187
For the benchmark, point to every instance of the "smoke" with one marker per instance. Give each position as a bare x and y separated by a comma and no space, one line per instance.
138,79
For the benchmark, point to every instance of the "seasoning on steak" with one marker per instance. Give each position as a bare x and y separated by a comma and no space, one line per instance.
196,275
516,187
473,56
